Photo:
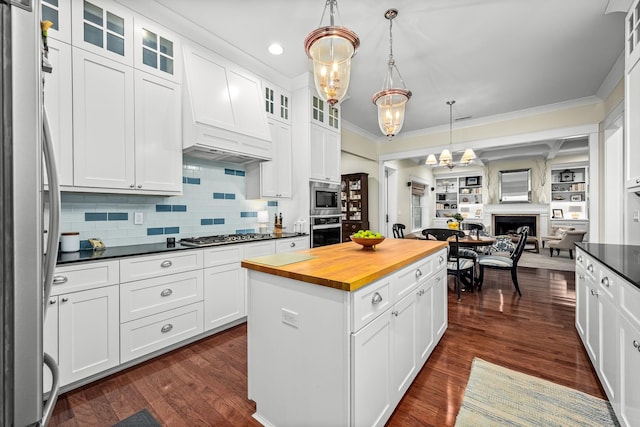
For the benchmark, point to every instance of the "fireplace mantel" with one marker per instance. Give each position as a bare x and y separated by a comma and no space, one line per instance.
540,209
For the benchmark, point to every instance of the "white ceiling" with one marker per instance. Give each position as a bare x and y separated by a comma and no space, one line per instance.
490,56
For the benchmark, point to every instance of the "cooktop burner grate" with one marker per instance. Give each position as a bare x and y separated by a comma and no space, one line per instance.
224,238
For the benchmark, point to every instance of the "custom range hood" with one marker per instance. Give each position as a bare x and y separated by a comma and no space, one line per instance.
223,114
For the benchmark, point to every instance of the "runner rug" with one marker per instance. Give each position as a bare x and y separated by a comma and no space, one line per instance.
497,396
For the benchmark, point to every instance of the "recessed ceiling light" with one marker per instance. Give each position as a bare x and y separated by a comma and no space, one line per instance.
275,49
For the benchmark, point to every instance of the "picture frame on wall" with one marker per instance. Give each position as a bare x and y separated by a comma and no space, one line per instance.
557,213
576,198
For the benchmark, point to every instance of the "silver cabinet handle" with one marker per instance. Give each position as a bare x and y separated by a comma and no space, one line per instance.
59,280
594,292
418,273
440,259
132,186
65,299
637,180
636,344
293,244
590,268
53,301
420,292
581,276
438,278
579,259
139,185
605,281
166,264
377,299
166,328
395,313
166,292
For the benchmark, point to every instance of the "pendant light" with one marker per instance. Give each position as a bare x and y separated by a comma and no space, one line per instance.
391,101
446,157
331,49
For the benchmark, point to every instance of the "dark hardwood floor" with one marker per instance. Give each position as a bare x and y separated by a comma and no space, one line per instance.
205,384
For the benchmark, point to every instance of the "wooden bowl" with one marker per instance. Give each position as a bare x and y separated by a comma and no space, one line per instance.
367,244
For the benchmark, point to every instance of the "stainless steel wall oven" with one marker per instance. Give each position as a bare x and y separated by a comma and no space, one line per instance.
325,230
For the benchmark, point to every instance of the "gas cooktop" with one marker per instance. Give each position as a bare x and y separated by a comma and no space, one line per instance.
223,239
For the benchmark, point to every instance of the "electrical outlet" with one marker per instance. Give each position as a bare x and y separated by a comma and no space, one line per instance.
138,218
290,317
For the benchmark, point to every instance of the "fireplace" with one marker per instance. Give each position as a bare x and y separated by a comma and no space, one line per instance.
508,224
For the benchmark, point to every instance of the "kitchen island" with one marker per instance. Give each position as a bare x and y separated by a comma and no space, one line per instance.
336,334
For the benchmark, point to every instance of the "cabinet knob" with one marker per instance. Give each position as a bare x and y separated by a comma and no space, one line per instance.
59,280
166,328
636,344
579,259
418,273
293,244
132,186
605,281
590,268
581,276
440,259
65,299
166,264
594,293
377,299
166,292
52,301
395,313
139,185
637,180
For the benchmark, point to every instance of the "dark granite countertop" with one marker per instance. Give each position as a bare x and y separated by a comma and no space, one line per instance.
147,249
622,259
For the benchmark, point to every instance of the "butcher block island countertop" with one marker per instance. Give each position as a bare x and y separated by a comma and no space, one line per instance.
347,266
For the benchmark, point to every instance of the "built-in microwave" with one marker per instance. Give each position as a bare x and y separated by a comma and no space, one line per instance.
325,198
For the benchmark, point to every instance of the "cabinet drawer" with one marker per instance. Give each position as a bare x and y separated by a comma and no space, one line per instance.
371,301
151,296
608,283
159,265
253,250
289,245
143,336
407,279
85,276
630,301
581,258
222,255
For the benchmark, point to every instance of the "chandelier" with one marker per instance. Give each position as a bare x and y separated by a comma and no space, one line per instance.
391,101
446,157
331,49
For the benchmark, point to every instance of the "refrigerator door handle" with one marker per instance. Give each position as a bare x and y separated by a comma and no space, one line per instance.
54,209
47,411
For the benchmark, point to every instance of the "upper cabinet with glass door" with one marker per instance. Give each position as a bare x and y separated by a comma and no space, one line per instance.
157,50
59,13
104,28
324,114
277,102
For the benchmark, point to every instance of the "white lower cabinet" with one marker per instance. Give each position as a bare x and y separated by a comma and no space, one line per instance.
224,294
292,244
608,322
88,333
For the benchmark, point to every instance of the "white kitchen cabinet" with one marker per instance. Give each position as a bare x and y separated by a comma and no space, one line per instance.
103,127
372,373
150,266
292,244
323,114
58,103
157,51
158,145
325,154
428,318
632,96
404,339
440,321
582,297
59,13
629,414
272,179
89,337
224,286
277,102
104,28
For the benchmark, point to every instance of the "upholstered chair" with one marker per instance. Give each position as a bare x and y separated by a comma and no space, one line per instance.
567,242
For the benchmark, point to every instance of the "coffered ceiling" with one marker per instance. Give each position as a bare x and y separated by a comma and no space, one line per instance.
490,56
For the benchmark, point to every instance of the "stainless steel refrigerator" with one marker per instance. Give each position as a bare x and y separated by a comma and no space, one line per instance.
26,271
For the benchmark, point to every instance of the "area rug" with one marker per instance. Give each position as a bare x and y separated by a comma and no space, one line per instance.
139,419
497,396
543,260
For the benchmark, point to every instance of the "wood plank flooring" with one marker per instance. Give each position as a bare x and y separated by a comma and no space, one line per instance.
205,384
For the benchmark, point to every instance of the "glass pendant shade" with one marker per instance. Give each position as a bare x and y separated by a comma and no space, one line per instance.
467,156
391,103
331,49
431,160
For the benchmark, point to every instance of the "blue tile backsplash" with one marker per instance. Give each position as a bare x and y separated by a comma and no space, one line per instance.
213,202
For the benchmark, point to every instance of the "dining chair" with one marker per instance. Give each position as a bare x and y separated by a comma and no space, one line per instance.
501,262
459,260
398,231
